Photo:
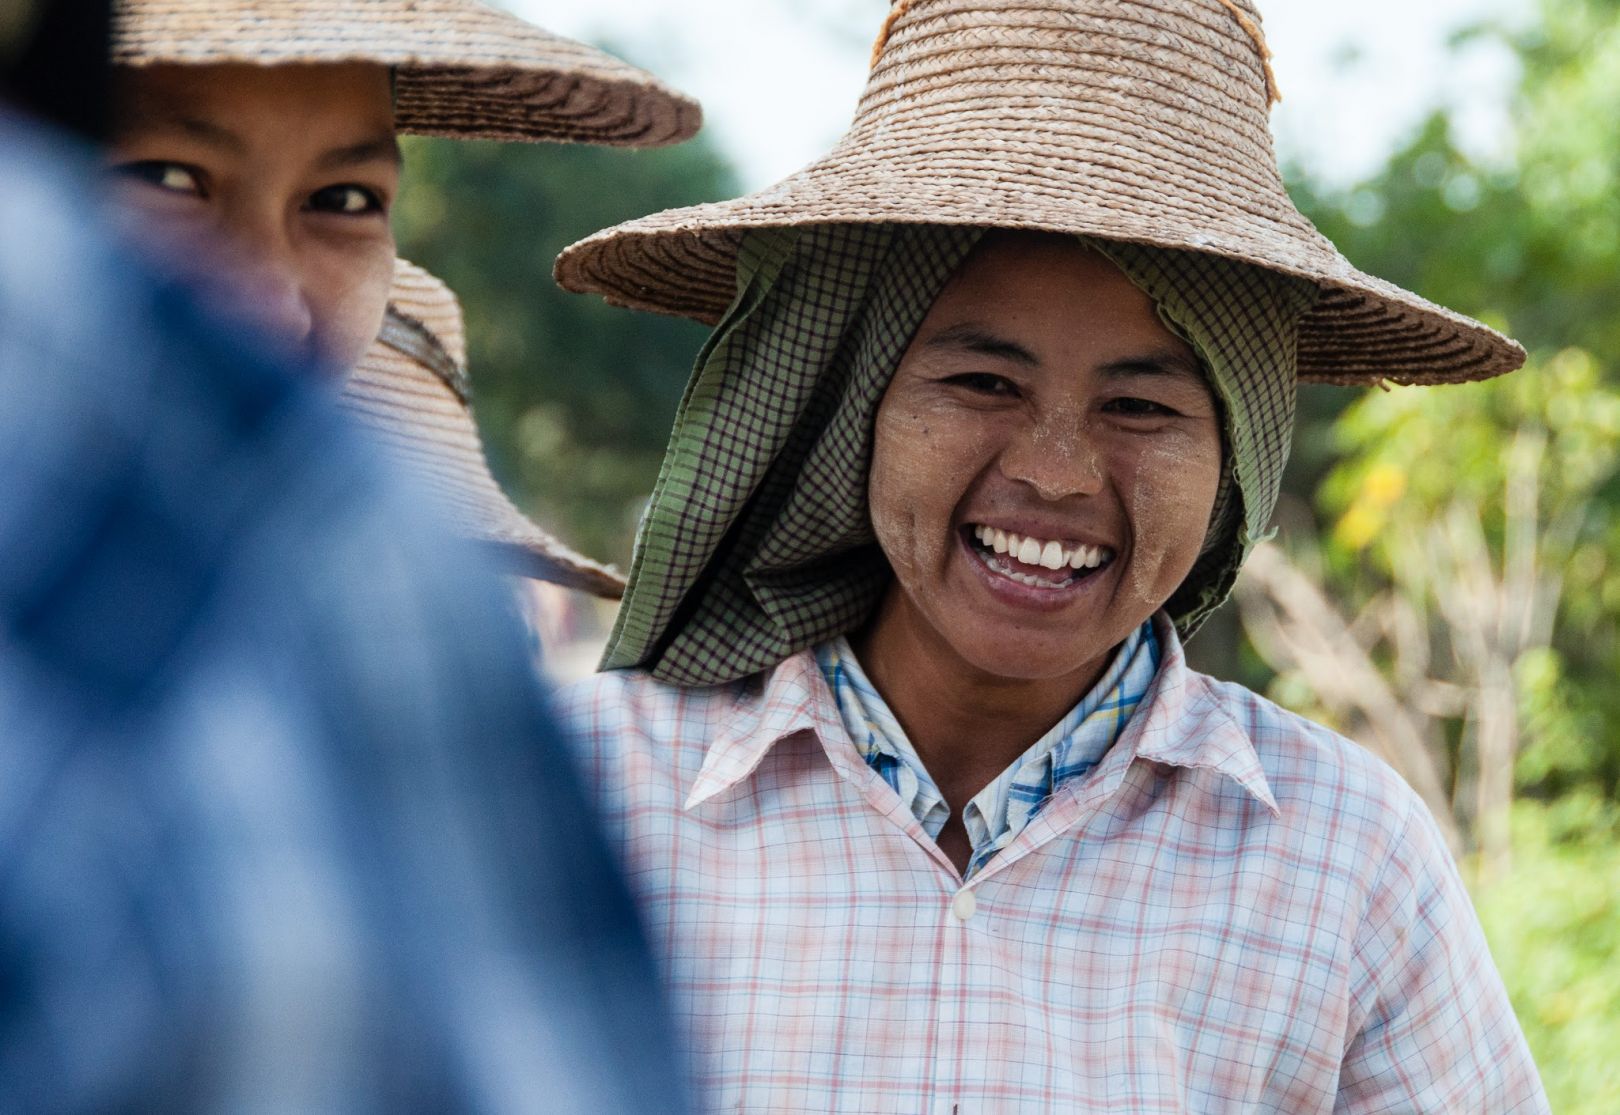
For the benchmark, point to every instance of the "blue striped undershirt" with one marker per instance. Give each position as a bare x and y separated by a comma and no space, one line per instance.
999,812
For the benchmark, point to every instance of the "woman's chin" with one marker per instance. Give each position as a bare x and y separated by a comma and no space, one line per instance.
1016,656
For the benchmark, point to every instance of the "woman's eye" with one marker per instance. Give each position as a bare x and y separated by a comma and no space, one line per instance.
346,200
1139,408
984,383
174,178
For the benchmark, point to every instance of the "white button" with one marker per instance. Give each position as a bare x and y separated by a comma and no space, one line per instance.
964,904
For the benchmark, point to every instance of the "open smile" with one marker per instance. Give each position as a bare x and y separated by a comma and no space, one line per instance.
1047,567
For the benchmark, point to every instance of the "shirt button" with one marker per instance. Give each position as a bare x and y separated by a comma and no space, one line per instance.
963,905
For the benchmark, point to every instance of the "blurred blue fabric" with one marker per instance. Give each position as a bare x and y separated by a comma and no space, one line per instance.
284,825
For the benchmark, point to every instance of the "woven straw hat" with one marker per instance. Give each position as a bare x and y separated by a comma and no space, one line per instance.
412,388
464,70
1132,120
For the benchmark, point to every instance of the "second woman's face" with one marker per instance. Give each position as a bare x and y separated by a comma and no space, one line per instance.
273,184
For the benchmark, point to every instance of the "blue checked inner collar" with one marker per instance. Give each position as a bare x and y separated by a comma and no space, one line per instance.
999,812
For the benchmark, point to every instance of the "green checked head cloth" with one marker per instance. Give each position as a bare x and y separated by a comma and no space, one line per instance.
758,542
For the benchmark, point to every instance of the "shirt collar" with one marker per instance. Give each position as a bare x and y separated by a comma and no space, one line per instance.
1180,722
794,698
1183,723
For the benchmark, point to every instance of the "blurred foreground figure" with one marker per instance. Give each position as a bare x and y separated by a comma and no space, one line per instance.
283,824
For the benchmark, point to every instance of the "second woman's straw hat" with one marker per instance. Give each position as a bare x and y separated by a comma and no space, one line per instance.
463,69
1132,120
411,388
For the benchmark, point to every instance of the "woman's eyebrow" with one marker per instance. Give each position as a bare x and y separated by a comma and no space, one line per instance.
970,337
166,118
1160,362
379,148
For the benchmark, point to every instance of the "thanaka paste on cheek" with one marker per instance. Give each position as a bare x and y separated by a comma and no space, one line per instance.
1171,486
1043,453
894,516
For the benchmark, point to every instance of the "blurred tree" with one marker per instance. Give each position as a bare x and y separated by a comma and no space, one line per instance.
1462,562
1425,498
1554,927
1462,518
575,398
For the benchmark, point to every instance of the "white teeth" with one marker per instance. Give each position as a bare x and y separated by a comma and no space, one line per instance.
1006,570
1088,557
1044,555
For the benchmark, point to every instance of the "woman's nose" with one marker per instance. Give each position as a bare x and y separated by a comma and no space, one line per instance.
1057,459
268,294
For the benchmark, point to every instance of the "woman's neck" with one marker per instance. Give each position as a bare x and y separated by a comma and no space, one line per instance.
968,725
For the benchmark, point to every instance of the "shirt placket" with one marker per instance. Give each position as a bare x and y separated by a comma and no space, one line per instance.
956,909
961,920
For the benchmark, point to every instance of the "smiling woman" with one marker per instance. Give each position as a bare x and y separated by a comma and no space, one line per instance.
1044,471
898,729
1039,392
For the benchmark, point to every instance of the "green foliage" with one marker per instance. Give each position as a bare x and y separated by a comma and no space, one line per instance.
1554,928
1534,248
1410,453
1413,456
575,398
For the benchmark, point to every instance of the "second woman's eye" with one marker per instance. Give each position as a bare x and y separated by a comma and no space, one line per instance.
174,178
346,200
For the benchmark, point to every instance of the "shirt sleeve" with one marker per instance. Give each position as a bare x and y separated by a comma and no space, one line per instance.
1436,1032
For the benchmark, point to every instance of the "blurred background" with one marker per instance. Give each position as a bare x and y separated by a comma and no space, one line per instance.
1445,585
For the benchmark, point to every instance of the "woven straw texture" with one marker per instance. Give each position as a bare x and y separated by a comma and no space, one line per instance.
464,69
1134,120
411,388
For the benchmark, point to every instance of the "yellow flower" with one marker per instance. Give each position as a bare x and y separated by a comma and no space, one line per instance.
1384,485
1358,526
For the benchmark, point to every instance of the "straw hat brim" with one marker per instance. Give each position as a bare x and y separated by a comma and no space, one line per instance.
410,389
464,70
1143,121
1364,329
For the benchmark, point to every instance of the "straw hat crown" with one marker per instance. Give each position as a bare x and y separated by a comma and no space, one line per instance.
1135,120
464,69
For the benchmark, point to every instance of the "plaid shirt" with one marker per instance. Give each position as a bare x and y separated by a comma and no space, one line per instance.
999,812
1236,910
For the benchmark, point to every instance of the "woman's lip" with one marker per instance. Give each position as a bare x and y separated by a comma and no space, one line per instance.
1011,592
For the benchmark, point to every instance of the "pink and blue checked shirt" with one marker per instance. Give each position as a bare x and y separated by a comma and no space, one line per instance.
1236,910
